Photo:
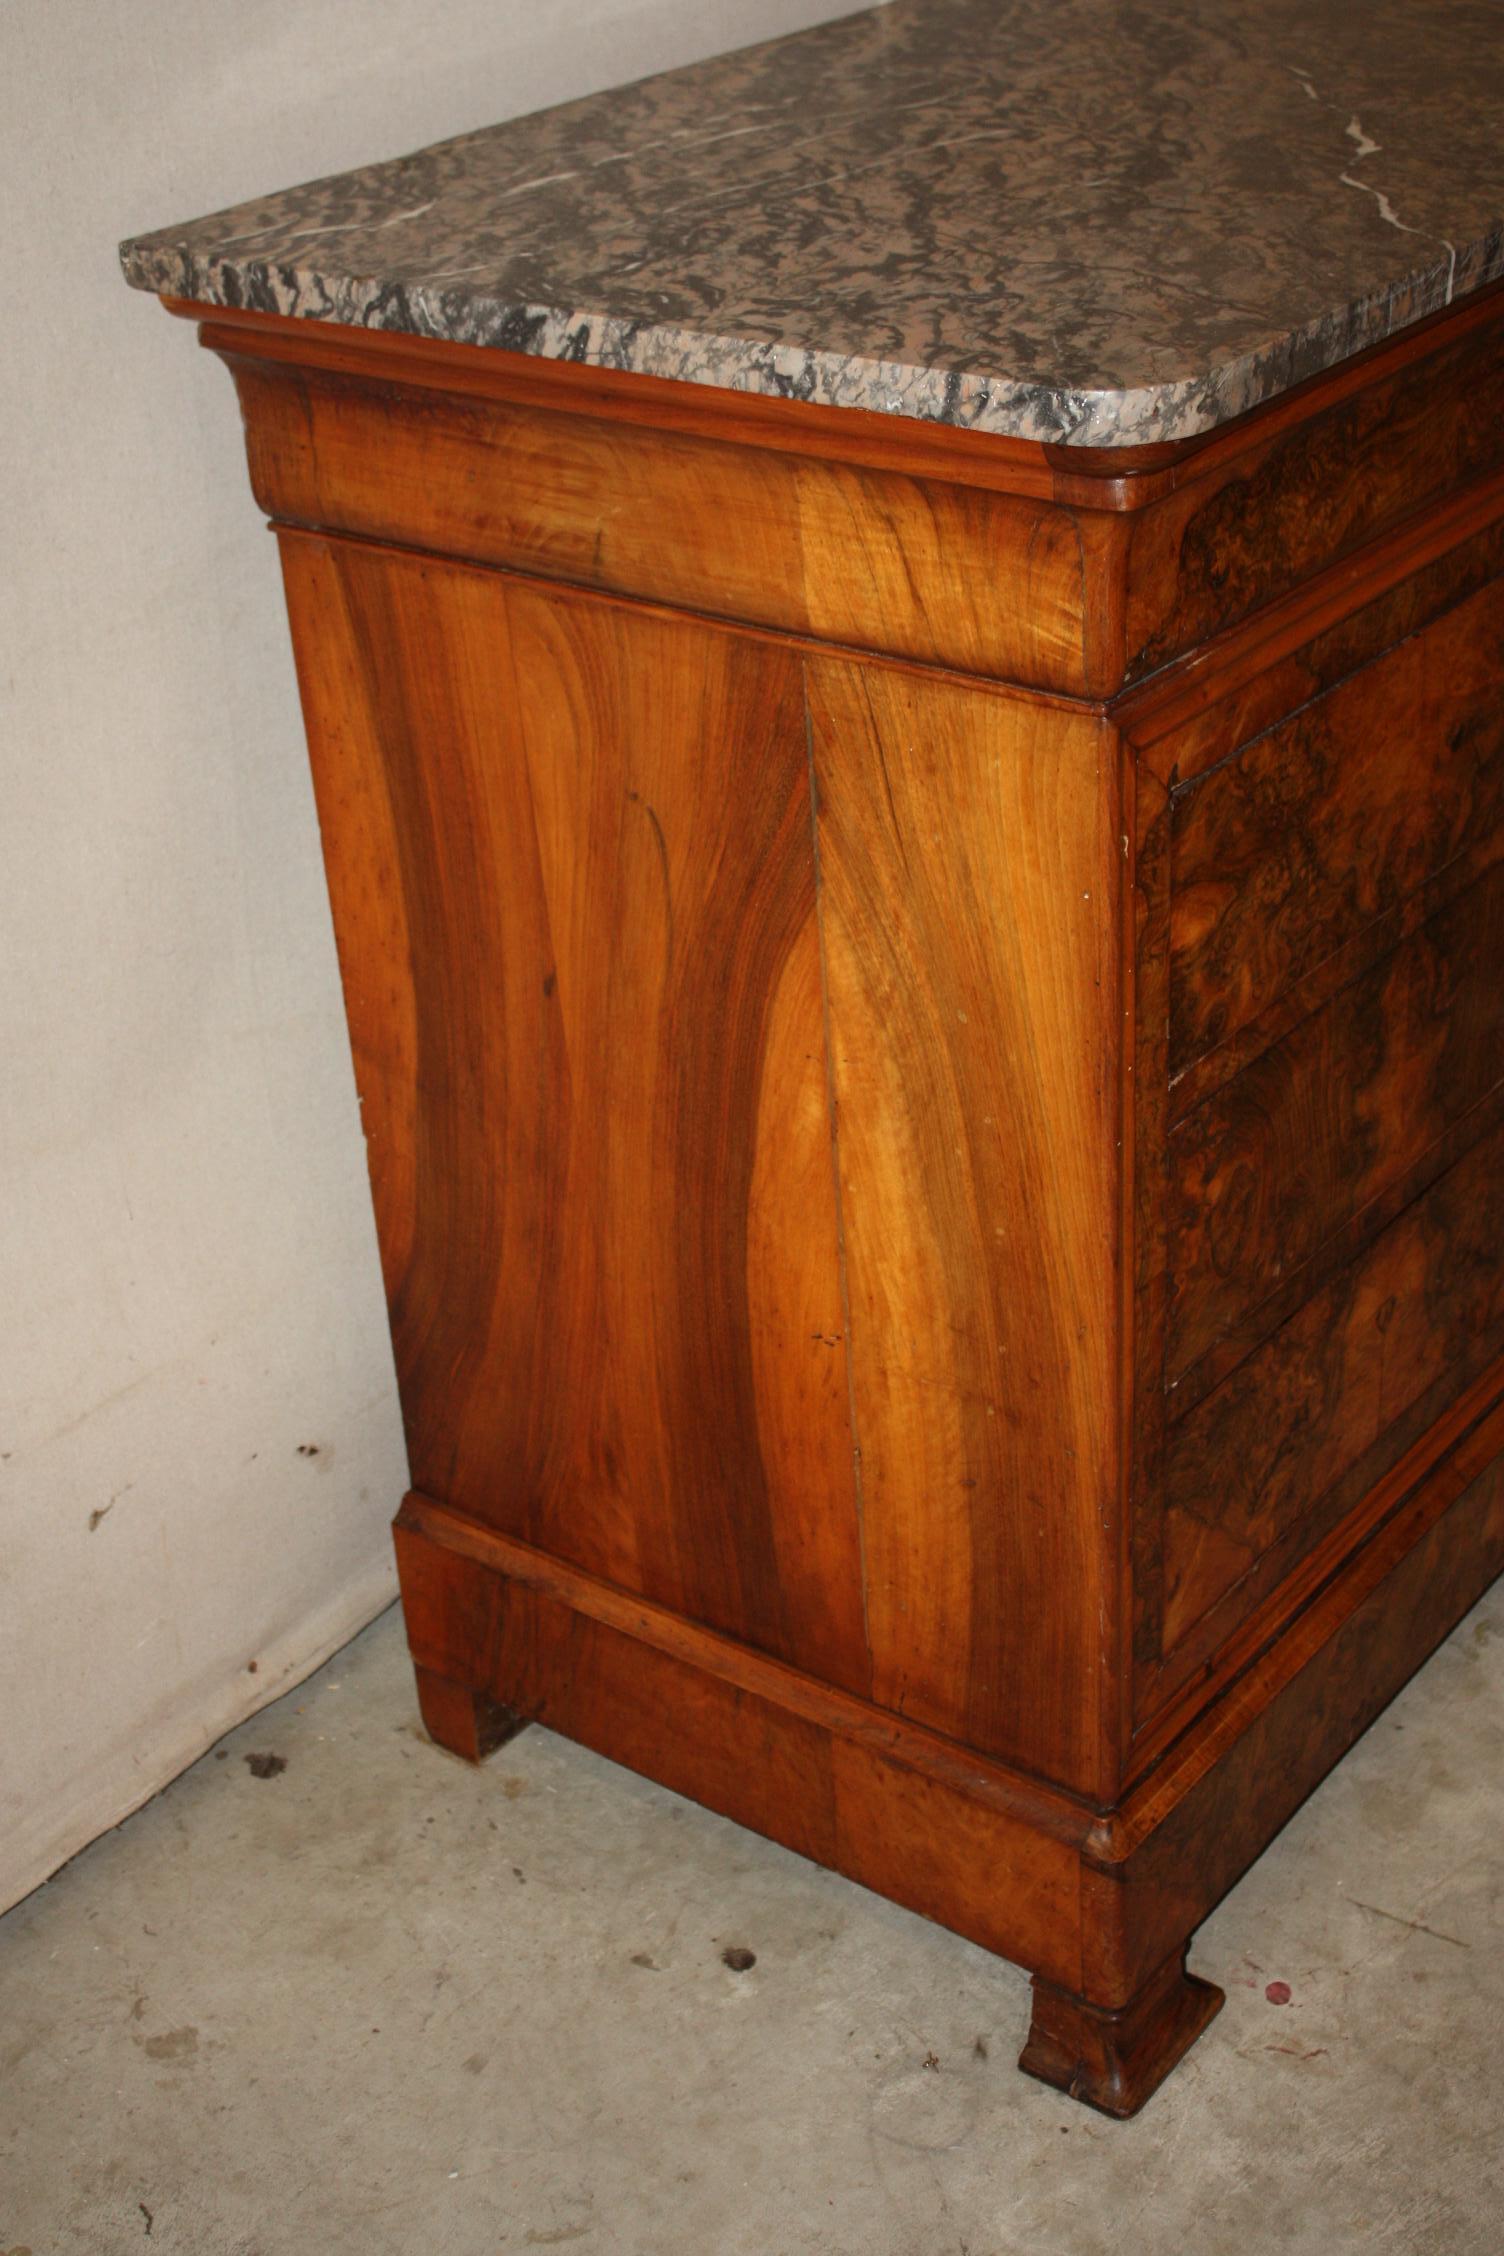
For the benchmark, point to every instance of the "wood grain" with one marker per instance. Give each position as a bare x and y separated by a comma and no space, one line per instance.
1182,1836
607,964
1097,1906
988,582
1307,834
969,889
1114,2058
1303,1428
949,1834
989,554
1320,966
467,1722
609,1093
1293,496
1362,1095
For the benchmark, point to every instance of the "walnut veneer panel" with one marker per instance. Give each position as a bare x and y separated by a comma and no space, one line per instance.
1303,1427
1292,843
1320,1105
1364,1097
970,904
571,858
1263,510
603,1041
901,1810
1060,568
889,560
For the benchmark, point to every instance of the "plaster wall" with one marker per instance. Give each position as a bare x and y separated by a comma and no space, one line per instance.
199,1441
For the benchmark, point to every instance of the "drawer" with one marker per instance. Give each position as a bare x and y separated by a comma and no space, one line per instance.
1258,521
1298,1433
1289,848
918,567
1276,1171
1320,1111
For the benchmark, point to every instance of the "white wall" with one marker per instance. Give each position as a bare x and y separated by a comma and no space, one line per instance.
189,1294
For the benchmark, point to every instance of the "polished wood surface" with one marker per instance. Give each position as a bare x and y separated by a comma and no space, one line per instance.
596,829
928,1019
1114,2058
1276,1173
595,836
849,553
1319,1090
1295,844
904,1810
970,898
1277,502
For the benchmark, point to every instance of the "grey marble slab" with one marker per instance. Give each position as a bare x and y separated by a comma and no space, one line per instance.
1102,222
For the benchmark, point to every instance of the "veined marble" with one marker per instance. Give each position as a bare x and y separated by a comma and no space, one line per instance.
1097,222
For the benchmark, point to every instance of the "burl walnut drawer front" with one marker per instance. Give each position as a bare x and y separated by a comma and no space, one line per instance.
1281,510
1332,1108
1280,1172
1298,850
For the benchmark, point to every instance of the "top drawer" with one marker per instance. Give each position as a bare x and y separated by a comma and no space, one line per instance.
1265,509
883,559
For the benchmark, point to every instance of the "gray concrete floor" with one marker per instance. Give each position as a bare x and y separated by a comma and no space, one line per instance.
380,2001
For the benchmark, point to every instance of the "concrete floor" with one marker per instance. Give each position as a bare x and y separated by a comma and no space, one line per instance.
379,2001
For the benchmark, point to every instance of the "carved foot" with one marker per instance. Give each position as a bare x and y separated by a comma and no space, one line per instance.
1114,2059
465,1722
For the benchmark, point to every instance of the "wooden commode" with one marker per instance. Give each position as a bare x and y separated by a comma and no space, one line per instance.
922,922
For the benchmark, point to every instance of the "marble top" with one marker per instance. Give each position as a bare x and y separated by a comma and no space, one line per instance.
1097,222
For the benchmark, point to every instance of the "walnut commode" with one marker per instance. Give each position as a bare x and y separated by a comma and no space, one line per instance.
929,1010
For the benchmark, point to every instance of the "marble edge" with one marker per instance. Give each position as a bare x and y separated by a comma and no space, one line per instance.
999,405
